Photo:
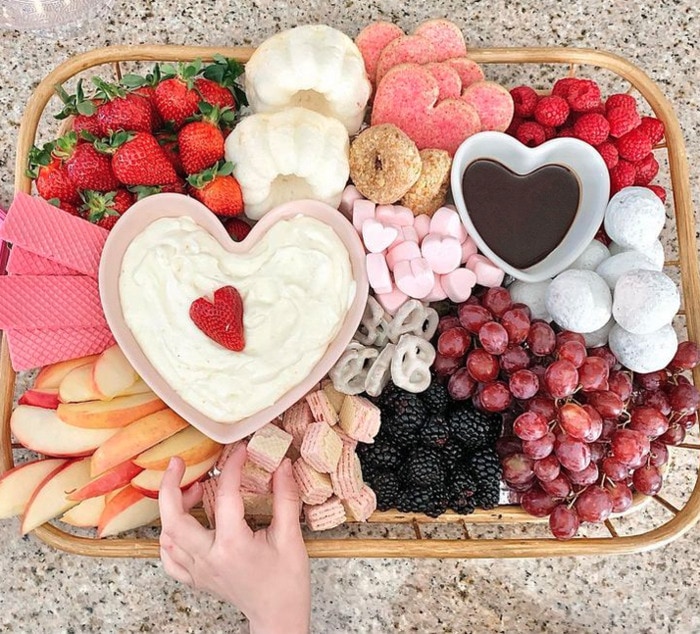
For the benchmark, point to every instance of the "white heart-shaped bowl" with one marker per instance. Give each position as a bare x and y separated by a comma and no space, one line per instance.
152,208
582,159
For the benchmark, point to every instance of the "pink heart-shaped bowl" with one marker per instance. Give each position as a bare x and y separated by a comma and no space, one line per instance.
153,208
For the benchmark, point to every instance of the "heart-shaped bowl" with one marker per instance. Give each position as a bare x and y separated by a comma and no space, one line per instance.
141,215
584,162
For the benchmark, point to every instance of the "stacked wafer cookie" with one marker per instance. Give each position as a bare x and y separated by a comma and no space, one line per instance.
49,301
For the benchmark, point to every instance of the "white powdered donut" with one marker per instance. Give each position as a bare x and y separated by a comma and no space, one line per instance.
634,217
612,268
579,301
533,295
643,353
645,300
595,253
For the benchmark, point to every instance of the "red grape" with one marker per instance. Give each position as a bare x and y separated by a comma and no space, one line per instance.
574,455
628,446
594,504
495,396
454,342
540,448
688,421
446,366
658,400
674,435
684,398
543,405
609,428
541,339
472,317
596,429
559,487
652,380
614,469
523,384
507,445
538,502
593,374
658,454
547,468
493,337
608,404
567,335
586,476
461,386
513,359
482,366
516,321
497,300
620,383
598,451
682,379
647,480
561,379
446,322
572,351
564,522
687,356
575,421
517,468
648,420
604,353
621,496
530,426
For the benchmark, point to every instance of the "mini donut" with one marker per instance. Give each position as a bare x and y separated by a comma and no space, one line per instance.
429,192
384,163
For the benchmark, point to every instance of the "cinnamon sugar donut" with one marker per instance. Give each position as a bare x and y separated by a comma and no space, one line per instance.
429,192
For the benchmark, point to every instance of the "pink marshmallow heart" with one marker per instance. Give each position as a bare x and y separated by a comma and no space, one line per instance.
487,273
378,273
362,210
414,277
438,293
442,252
376,236
347,200
446,222
410,234
458,284
422,226
395,215
402,251
392,301
469,248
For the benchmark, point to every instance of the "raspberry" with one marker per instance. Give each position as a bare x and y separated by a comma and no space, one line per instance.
514,125
603,237
551,111
566,132
531,134
621,176
524,100
646,169
550,132
584,96
592,128
634,145
659,191
622,120
621,100
562,86
653,128
609,153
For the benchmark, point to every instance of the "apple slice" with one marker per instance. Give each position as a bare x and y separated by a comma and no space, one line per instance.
45,397
86,514
127,510
148,481
119,412
135,438
111,494
113,373
140,387
50,499
190,444
19,483
110,480
50,376
43,431
78,386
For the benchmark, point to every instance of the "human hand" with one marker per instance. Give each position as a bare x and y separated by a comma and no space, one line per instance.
264,573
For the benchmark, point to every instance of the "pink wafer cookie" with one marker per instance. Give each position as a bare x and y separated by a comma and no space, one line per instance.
322,408
361,507
295,421
255,479
321,447
50,301
32,348
23,262
314,487
347,477
336,398
347,440
268,446
257,504
360,419
41,228
321,517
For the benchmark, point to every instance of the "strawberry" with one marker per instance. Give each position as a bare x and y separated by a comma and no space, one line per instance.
222,319
82,109
202,142
218,190
143,191
218,85
145,86
50,175
213,93
87,168
168,141
238,229
138,159
121,110
104,209
72,208
175,96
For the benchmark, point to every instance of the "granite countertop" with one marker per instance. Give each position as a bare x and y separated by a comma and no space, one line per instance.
42,590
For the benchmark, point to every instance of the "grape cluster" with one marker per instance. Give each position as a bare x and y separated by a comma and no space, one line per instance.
582,433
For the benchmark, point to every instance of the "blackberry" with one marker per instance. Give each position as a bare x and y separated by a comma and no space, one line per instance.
386,488
461,490
423,467
436,398
475,429
452,455
382,455
486,469
435,432
403,421
428,499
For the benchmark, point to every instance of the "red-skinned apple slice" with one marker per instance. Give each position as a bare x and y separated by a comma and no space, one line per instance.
110,480
112,373
19,483
78,386
50,376
140,387
43,431
119,412
50,499
148,481
46,397
190,444
127,510
86,514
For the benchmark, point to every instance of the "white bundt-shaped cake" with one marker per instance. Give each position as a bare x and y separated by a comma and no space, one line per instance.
288,155
312,66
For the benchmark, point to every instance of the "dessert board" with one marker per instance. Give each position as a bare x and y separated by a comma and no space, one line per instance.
349,546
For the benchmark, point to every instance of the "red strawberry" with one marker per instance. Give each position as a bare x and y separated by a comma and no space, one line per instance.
175,96
201,143
121,110
238,229
139,160
222,319
71,208
82,109
142,191
218,85
214,94
168,141
90,169
145,86
50,175
104,209
218,190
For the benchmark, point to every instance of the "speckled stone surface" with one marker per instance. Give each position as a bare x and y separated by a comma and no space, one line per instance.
42,590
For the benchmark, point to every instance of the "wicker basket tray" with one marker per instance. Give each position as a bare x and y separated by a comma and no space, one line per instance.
506,531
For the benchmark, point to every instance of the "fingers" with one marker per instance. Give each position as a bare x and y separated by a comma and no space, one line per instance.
192,496
285,503
175,570
230,513
170,496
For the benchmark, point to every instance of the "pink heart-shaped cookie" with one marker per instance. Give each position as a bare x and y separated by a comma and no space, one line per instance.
141,220
377,236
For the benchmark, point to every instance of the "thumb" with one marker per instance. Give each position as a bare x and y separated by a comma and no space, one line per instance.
285,503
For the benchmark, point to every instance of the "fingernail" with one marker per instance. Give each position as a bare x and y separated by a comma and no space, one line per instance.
171,463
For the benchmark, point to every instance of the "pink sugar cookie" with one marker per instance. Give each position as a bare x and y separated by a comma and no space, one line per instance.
487,273
422,226
449,83
469,248
395,215
362,210
446,222
392,301
378,273
445,36
414,277
402,251
407,49
377,236
443,253
438,293
372,40
458,284
468,70
347,201
408,96
493,104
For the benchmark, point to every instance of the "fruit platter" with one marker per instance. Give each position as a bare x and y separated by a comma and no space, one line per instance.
435,283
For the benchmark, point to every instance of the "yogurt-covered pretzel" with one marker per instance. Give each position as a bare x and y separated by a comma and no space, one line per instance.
413,318
380,372
350,372
368,330
410,365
